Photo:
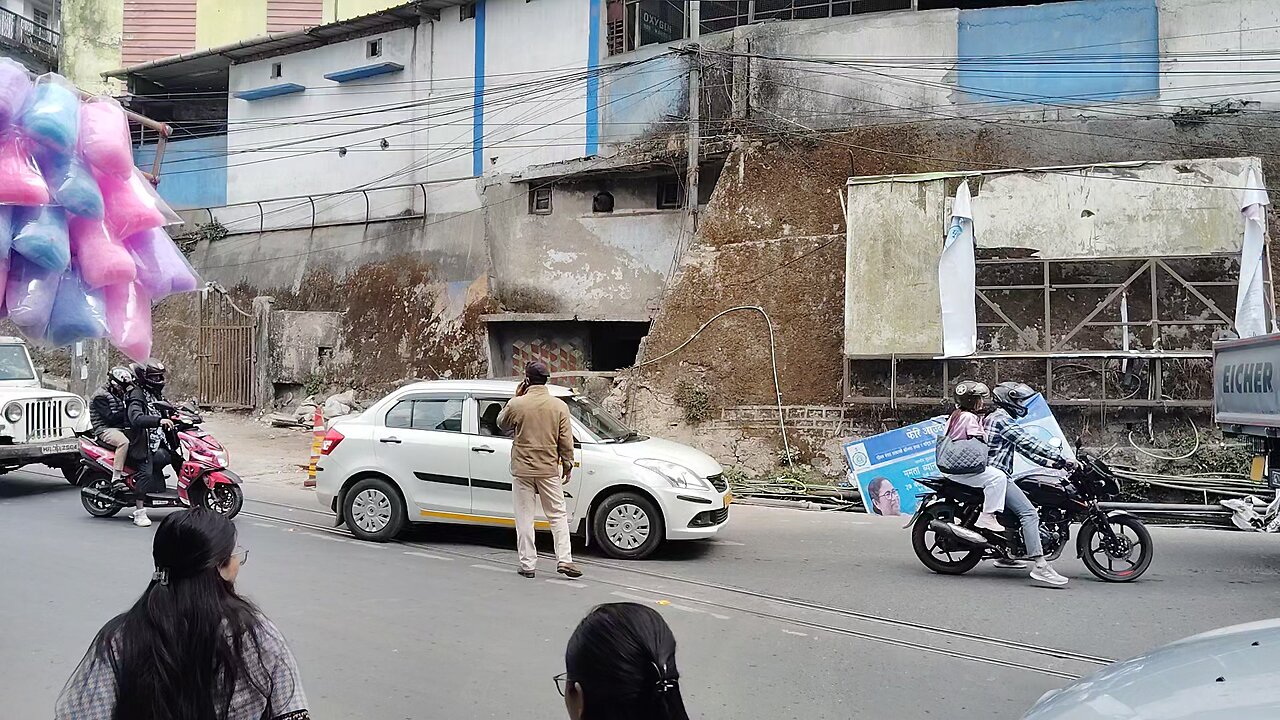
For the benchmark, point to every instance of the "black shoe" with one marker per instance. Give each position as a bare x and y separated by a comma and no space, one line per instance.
525,573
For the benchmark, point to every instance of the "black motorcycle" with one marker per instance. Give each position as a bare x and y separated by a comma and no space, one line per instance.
1114,545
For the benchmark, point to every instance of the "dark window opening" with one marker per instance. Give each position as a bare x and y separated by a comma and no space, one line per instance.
276,70
540,201
324,356
670,194
374,48
602,202
467,12
614,345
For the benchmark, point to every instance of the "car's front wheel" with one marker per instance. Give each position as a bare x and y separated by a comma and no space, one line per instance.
373,510
628,526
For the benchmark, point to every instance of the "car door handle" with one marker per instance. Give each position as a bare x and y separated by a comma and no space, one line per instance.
482,448
395,440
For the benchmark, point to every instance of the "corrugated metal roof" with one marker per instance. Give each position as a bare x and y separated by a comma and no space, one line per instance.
286,15
157,28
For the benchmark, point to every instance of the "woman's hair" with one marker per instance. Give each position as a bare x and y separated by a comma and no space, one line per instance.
179,651
624,657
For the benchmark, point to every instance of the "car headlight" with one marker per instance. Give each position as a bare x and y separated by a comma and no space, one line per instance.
678,475
74,408
13,412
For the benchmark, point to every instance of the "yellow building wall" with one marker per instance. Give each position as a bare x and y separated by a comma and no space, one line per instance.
335,10
219,22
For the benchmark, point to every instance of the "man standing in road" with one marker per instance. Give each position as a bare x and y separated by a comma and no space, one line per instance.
541,461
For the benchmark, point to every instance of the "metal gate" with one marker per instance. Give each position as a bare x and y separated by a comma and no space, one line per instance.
226,352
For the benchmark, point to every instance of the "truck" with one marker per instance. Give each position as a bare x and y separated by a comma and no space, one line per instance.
38,426
1246,404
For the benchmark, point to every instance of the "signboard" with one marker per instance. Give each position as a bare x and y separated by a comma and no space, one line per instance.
655,25
887,467
1245,381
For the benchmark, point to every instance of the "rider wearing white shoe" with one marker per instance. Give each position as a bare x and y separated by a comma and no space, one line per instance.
1005,437
966,424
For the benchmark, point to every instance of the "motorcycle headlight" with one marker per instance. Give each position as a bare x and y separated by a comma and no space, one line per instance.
13,412
222,456
678,475
74,408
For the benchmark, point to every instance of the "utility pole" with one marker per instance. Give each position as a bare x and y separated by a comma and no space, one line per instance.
694,53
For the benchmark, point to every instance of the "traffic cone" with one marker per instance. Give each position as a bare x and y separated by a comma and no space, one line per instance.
317,438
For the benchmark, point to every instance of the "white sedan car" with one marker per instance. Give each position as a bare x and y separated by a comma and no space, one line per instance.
432,452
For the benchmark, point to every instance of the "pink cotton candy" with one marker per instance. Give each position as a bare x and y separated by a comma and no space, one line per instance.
104,137
129,319
130,208
20,179
99,258
162,268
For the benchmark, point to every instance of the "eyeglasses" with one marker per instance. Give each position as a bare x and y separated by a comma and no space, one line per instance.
562,683
240,554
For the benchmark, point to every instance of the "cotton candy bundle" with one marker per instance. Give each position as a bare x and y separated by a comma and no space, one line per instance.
130,208
15,88
105,142
77,313
41,236
128,310
52,117
20,180
99,258
30,295
162,269
71,184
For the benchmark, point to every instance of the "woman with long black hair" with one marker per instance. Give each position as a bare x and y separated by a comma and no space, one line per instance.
621,665
190,648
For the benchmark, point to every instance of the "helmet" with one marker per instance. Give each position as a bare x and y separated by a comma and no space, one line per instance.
1013,397
119,378
150,375
969,392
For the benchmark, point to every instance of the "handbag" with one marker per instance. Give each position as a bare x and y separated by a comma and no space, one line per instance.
961,457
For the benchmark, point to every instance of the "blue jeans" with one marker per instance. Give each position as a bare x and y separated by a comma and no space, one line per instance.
1016,502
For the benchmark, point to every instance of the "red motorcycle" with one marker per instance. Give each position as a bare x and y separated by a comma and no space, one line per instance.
200,460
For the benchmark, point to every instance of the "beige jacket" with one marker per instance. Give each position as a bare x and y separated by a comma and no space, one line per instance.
543,446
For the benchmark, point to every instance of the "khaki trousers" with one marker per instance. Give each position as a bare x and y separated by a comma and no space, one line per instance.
120,442
526,491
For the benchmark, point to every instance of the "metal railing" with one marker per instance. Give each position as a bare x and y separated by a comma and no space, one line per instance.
27,36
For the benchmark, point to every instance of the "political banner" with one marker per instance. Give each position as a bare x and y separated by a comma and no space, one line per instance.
887,467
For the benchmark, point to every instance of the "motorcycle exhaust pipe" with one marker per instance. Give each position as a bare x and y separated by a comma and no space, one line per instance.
962,535
97,494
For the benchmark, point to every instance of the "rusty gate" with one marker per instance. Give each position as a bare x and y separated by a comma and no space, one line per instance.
226,352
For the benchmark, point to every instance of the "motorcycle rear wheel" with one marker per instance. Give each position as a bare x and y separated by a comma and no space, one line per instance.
936,555
1113,560
94,506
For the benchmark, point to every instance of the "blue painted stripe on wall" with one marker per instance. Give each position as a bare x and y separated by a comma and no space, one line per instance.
593,79
477,100
1091,50
199,181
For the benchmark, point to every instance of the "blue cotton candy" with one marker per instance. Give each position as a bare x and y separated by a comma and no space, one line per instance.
42,236
71,184
77,313
52,118
30,295
6,230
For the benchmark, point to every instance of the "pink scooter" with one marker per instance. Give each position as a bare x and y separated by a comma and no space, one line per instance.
203,477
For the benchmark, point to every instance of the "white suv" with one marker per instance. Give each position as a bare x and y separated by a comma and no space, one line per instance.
432,452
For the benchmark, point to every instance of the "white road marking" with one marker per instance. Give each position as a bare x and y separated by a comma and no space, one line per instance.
266,525
795,632
719,617
634,598
429,556
576,584
330,538
730,543
665,603
491,568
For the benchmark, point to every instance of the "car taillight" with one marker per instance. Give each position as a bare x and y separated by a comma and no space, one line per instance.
331,440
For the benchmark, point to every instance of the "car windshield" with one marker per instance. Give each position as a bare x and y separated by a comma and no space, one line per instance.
14,363
599,421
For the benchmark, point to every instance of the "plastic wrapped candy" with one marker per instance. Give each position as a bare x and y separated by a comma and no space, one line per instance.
15,87
41,236
52,117
130,207
30,295
128,309
162,268
20,180
99,258
71,185
78,314
105,138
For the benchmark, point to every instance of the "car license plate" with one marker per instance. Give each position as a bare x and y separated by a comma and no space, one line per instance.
57,448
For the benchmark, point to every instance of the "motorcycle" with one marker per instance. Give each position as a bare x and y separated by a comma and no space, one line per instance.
1114,545
198,458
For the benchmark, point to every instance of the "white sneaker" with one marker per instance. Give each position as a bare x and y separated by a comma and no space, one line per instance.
988,521
1007,564
140,518
1046,574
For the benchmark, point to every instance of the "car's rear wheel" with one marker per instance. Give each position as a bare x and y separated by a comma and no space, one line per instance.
373,510
628,526
71,472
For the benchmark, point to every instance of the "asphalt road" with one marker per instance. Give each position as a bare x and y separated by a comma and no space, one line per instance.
788,614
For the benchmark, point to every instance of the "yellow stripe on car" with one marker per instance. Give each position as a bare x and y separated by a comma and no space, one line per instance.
482,519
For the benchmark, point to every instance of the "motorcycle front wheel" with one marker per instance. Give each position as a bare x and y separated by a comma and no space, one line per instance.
939,553
1121,555
223,498
96,506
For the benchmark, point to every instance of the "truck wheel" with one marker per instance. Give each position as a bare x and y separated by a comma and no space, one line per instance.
627,526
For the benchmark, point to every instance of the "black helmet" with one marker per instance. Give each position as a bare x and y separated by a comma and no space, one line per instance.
119,378
150,375
969,392
1013,397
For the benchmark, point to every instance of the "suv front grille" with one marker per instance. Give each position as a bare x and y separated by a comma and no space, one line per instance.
44,420
718,482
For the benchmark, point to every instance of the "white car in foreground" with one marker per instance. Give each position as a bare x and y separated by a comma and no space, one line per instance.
432,452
